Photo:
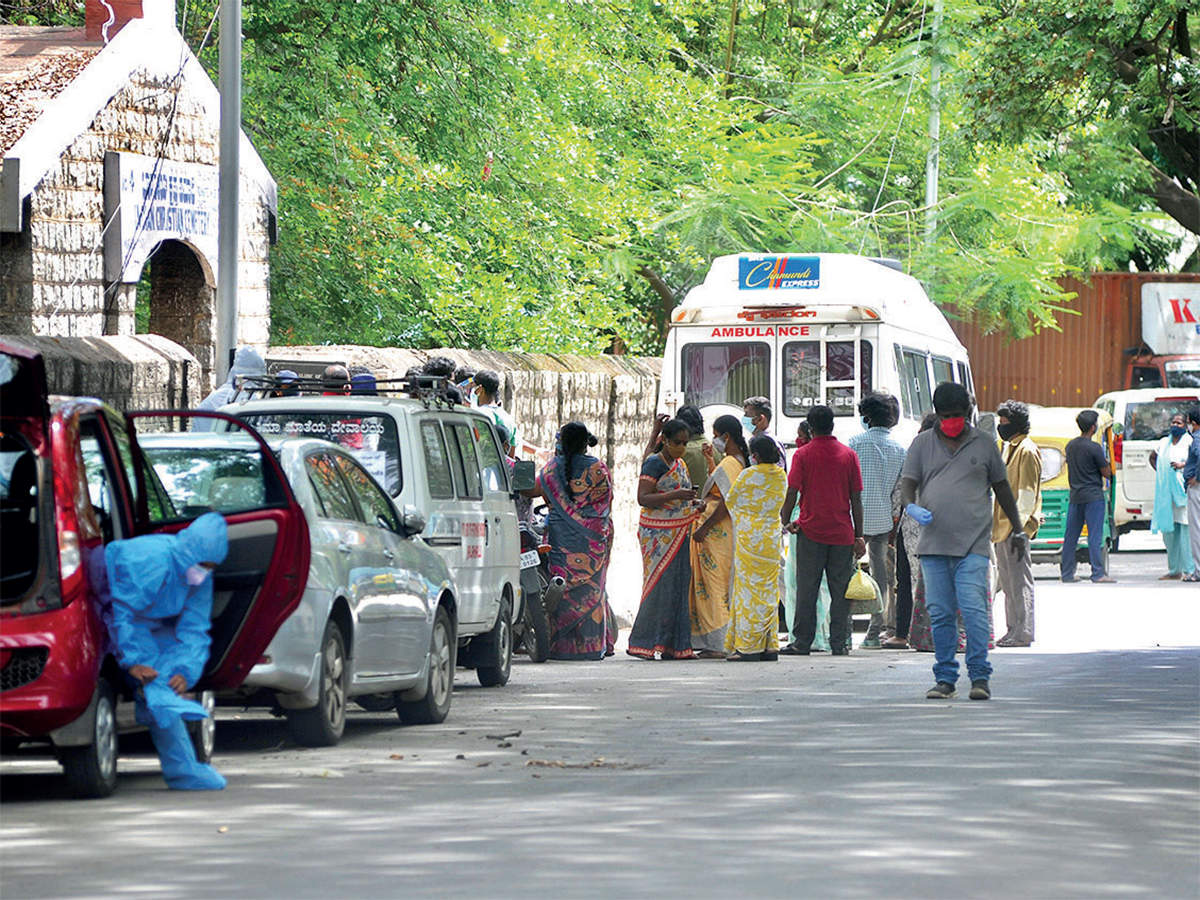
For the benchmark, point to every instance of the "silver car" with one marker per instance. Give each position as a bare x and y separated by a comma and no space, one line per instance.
378,618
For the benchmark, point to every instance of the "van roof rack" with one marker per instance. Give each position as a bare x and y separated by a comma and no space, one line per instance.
432,390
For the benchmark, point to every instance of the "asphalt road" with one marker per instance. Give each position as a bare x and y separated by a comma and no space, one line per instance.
812,777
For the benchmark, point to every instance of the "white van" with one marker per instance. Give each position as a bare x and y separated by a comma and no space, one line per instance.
804,330
1141,418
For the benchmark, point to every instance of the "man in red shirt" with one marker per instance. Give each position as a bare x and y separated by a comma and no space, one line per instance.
829,531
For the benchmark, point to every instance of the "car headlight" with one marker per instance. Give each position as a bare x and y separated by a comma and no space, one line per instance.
1052,462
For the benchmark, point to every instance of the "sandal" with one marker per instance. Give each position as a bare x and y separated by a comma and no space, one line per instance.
711,654
735,656
894,643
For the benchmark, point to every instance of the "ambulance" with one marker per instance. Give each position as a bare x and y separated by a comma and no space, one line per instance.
807,329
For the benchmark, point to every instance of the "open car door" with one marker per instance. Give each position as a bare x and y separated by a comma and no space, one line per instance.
182,475
23,384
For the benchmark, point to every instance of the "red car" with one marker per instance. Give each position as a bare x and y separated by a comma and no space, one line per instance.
71,480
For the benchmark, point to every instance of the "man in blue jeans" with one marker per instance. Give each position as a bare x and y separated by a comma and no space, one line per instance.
1087,468
952,470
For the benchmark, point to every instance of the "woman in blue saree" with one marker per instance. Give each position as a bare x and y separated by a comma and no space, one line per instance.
579,530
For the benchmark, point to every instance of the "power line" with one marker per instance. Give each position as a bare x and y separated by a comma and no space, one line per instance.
899,124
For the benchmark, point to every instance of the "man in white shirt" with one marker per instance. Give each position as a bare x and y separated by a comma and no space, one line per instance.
487,398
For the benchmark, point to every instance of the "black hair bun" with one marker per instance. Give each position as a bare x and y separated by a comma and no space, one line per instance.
592,442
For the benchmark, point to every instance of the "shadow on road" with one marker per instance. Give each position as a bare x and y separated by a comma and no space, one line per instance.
813,776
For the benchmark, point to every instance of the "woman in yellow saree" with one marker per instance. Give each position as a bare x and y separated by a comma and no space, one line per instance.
755,501
712,542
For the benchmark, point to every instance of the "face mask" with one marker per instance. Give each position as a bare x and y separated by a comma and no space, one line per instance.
1006,431
866,423
753,460
719,444
952,426
195,575
747,423
1177,431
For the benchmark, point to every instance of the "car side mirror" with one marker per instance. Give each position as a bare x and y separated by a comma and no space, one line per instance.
412,521
524,475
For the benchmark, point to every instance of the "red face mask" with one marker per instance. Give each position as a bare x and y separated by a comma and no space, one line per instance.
952,426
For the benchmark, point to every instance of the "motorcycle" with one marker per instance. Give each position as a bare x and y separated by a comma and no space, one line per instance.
540,590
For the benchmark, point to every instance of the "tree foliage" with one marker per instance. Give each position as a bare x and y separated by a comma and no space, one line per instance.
554,174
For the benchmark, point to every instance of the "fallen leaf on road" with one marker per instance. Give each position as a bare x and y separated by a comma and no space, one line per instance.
461,756
222,829
501,737
482,764
396,756
504,744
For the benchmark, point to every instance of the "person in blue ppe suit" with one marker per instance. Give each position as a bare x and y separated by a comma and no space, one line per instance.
162,594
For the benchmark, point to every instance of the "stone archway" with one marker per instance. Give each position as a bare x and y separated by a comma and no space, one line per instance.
177,288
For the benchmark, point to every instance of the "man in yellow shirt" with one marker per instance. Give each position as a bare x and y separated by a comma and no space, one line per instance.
1023,463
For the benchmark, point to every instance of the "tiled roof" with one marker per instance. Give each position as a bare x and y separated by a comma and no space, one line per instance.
36,63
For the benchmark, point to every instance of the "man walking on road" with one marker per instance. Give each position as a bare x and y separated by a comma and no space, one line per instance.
1191,480
953,469
1087,468
880,459
1023,463
828,531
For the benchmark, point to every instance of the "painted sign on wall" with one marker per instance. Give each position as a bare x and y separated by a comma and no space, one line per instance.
147,201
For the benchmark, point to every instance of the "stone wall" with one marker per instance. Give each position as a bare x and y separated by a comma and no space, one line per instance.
53,272
126,371
615,396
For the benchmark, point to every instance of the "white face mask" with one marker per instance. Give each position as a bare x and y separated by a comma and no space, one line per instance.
195,575
719,444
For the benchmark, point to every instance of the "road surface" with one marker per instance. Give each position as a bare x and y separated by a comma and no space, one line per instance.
812,776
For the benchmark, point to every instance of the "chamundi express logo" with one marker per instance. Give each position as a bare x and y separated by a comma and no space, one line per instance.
778,273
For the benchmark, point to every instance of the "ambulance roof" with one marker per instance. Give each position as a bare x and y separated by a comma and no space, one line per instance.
815,280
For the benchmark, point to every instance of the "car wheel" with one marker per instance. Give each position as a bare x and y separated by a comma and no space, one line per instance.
203,732
494,655
92,770
439,686
322,726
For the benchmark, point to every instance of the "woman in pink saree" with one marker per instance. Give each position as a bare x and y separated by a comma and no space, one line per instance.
579,530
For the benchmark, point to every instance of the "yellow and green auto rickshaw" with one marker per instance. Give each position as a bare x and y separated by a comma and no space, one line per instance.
1052,428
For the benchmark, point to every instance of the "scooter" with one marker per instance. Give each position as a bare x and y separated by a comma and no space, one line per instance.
540,590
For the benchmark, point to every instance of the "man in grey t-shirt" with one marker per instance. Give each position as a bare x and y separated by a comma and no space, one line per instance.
954,469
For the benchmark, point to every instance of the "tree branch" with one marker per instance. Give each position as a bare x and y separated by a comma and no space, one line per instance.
660,287
1172,198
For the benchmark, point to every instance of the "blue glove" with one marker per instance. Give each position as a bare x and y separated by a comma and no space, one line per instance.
919,514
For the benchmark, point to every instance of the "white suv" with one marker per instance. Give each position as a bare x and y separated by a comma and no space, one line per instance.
445,462
1141,418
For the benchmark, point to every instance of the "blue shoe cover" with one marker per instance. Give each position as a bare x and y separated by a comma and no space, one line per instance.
181,769
162,706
